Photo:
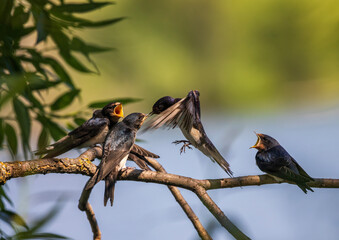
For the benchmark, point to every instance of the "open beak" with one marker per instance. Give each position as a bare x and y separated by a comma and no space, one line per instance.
256,145
118,111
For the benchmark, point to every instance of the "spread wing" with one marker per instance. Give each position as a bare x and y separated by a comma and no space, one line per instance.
75,138
180,114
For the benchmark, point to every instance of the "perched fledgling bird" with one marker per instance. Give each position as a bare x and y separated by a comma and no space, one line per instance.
185,113
117,147
91,132
94,131
273,159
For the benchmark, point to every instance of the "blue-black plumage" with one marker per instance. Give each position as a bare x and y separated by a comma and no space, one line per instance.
273,159
117,147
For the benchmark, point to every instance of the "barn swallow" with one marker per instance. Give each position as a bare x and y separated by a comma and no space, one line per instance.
117,147
273,159
91,132
185,113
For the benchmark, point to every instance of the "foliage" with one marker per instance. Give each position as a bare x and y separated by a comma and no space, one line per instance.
28,72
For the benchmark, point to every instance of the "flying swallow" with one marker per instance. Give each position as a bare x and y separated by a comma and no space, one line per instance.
91,132
117,147
185,113
273,159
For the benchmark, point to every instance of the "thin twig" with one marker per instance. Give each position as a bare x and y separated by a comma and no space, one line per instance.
219,214
182,202
93,222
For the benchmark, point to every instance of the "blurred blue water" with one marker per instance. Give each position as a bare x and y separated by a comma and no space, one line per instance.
148,211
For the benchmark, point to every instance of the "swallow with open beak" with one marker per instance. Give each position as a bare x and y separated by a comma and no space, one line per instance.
185,113
117,147
91,132
273,159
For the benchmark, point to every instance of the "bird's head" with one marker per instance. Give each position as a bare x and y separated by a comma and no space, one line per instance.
135,120
113,111
264,142
97,114
163,103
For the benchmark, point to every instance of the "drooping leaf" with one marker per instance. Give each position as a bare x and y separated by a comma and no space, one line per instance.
43,140
20,17
70,126
42,25
80,46
65,100
79,8
4,196
24,120
16,84
11,139
38,83
5,11
60,71
101,104
12,218
45,236
32,99
74,62
55,130
79,121
101,23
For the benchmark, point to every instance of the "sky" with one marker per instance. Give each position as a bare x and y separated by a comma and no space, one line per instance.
148,211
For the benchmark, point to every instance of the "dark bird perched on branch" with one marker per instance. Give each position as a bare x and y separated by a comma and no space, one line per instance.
185,113
94,131
117,147
91,132
273,159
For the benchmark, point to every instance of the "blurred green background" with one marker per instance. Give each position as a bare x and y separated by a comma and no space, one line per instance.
241,55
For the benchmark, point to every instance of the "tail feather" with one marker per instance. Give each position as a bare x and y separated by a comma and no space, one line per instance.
63,145
211,151
110,181
92,181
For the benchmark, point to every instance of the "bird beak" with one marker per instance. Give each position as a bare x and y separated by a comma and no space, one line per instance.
118,112
150,114
256,145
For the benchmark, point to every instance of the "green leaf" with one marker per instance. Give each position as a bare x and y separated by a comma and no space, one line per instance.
79,121
12,218
44,236
65,100
101,23
22,116
20,17
80,46
37,83
101,104
55,130
11,139
5,11
60,71
80,8
42,22
43,138
73,62
34,102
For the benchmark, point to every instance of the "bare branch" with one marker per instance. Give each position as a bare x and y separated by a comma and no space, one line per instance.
83,165
93,222
182,202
